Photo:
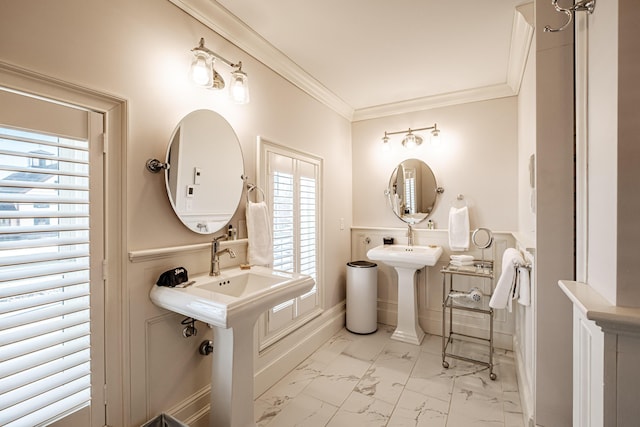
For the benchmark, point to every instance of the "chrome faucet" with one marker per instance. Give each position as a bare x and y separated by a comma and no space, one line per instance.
409,235
215,255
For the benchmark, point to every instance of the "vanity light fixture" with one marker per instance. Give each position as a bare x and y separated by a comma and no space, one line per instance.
412,140
204,74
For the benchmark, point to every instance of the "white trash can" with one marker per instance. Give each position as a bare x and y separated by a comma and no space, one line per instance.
362,297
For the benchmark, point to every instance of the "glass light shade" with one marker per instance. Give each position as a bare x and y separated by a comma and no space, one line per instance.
386,147
239,87
201,70
435,137
411,140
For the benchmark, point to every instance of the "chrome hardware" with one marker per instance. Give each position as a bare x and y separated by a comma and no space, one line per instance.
155,165
409,235
215,255
189,329
206,347
581,6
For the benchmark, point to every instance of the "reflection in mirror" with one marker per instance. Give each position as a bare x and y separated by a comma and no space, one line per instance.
412,191
204,178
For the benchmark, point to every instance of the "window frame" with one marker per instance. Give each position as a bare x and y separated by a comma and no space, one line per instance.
264,148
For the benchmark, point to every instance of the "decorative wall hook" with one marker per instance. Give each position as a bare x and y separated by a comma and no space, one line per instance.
581,6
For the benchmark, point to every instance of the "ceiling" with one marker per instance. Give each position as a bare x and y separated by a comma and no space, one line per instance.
370,58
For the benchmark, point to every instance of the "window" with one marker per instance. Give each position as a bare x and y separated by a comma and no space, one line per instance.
293,196
47,271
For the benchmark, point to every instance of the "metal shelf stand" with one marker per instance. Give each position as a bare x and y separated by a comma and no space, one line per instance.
481,270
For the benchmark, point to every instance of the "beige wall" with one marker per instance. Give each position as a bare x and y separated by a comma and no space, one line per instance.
603,151
628,206
140,51
477,158
554,217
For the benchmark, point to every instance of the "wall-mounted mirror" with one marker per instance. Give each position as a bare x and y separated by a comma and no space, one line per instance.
204,178
413,191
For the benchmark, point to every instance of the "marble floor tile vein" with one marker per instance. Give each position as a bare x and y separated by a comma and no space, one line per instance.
370,380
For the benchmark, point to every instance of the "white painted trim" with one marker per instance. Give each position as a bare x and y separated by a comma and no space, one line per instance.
223,22
145,255
431,323
116,333
220,20
332,321
525,388
436,101
611,318
521,37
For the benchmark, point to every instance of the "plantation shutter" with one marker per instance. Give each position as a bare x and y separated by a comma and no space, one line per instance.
45,370
293,204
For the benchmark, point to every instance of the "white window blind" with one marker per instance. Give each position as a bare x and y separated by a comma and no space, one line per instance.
44,277
410,191
283,221
293,198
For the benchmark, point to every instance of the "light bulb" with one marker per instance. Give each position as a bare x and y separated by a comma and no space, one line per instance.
201,72
411,141
239,88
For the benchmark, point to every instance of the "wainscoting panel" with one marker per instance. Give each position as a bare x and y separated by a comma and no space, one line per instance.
167,372
588,371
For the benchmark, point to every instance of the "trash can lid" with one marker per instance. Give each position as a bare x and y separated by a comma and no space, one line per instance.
362,264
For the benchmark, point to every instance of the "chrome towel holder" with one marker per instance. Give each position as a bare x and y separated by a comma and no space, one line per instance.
581,6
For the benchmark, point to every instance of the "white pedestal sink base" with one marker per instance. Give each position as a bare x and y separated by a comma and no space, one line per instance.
408,329
232,377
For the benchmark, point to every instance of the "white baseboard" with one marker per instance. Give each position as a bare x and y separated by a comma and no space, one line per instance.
431,323
524,387
194,410
312,336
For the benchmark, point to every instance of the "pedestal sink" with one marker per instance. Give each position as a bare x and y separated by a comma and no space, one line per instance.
407,260
231,303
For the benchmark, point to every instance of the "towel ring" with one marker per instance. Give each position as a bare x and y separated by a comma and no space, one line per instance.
253,187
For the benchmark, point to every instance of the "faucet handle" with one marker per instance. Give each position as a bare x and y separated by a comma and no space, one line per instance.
221,237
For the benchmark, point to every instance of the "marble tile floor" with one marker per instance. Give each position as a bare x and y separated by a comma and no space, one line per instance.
371,380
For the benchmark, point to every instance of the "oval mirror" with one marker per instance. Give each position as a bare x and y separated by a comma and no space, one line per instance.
412,191
204,178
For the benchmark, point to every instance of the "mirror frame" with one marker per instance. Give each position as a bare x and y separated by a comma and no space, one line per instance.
431,193
208,172
482,238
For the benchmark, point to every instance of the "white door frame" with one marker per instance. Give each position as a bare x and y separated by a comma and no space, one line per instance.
114,110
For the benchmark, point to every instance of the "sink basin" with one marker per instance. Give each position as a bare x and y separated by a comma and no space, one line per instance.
235,294
406,256
231,303
407,260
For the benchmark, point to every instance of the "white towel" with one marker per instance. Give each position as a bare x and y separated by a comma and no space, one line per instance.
524,295
259,234
503,294
459,229
456,263
462,258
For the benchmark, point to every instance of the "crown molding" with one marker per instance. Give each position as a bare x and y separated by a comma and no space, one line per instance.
213,15
521,37
219,19
435,101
